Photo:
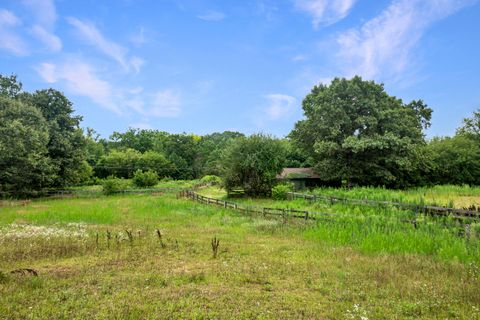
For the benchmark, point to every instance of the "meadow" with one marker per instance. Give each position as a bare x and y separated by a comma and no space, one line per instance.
150,257
440,195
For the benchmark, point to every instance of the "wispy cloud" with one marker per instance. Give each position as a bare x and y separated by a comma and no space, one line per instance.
45,16
280,105
212,16
139,38
9,39
94,37
44,12
325,12
80,78
384,45
49,39
136,63
166,104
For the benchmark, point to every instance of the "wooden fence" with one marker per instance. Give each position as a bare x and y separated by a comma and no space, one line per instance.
286,213
265,211
432,210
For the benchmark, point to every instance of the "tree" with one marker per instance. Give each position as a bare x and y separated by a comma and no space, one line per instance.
210,151
9,86
471,126
24,162
66,144
253,163
356,132
456,160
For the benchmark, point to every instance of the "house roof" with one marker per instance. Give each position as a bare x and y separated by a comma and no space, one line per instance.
298,173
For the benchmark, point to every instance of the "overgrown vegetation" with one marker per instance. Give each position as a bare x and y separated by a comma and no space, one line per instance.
145,179
84,258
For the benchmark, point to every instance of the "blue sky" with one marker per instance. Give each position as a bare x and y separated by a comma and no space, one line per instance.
204,66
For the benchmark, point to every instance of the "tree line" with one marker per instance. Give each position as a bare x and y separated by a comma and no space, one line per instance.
353,133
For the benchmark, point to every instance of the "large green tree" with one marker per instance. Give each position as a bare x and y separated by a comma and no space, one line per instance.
24,162
66,144
253,163
357,133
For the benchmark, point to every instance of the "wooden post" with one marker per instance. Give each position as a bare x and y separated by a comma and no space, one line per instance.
306,215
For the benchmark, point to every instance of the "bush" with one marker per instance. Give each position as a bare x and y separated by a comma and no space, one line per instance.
145,179
280,192
211,179
112,185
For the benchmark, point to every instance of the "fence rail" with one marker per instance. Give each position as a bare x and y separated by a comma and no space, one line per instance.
433,210
265,211
304,214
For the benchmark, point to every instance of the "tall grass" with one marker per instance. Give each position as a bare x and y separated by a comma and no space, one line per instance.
446,195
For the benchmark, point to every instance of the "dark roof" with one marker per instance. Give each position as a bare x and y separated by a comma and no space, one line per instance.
298,173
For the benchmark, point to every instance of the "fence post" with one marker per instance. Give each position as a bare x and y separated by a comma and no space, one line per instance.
225,204
306,215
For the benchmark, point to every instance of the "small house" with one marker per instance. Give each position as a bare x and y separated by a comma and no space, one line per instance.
302,178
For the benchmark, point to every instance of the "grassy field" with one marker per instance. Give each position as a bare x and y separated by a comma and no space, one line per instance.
265,269
449,196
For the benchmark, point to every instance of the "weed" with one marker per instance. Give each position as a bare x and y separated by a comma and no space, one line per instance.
215,244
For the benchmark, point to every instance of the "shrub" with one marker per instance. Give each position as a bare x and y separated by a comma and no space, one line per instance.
145,179
280,192
113,185
211,179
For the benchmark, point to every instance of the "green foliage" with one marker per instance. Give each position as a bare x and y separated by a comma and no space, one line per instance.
212,179
456,160
124,163
9,86
355,131
145,179
66,144
24,162
280,191
471,126
113,185
253,163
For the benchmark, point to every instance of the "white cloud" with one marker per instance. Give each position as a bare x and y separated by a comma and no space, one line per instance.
299,57
383,46
80,78
136,103
49,39
45,15
280,105
166,104
325,11
9,39
44,12
212,16
93,36
9,19
136,63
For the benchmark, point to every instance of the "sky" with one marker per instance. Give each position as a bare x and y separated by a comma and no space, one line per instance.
201,66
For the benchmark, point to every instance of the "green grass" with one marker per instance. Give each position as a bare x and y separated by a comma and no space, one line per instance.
265,269
447,195
382,229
